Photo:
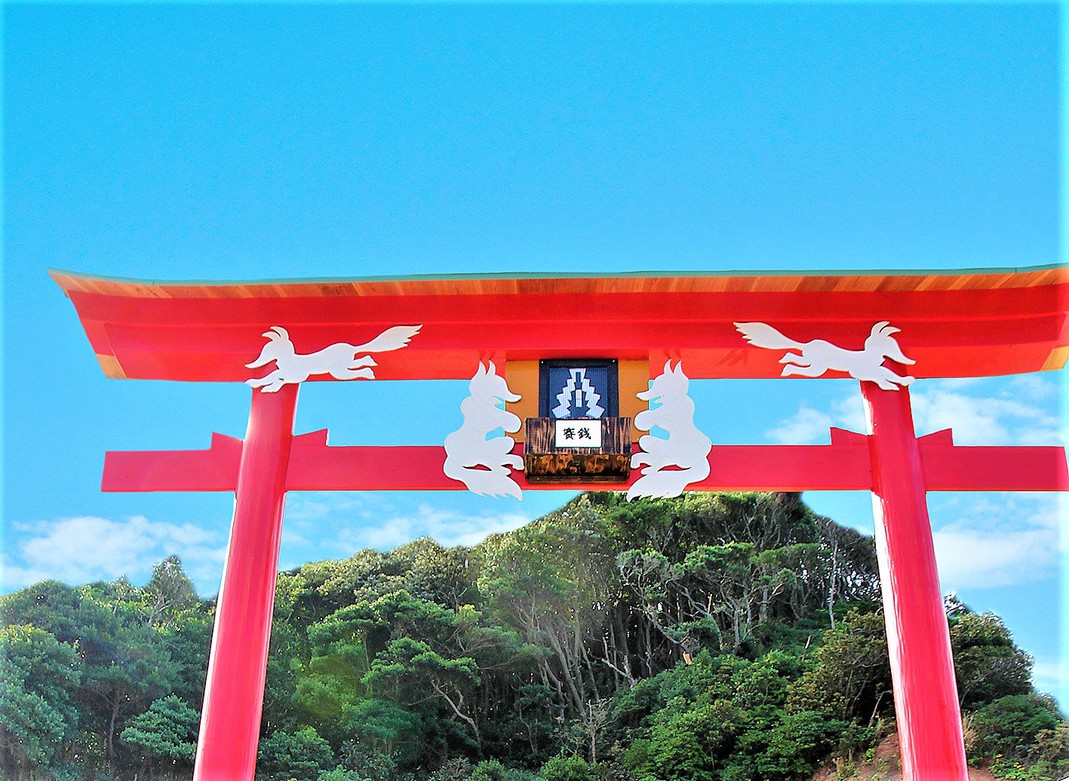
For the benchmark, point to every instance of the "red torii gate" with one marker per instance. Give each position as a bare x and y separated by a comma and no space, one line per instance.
952,324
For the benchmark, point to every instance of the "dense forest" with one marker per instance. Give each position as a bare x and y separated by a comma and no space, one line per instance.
715,637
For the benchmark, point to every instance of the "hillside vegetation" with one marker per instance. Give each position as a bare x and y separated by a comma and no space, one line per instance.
715,637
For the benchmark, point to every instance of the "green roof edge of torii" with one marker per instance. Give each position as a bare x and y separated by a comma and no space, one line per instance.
534,275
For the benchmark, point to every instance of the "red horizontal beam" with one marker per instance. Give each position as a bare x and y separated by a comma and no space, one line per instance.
552,305
950,467
709,348
842,465
154,333
215,469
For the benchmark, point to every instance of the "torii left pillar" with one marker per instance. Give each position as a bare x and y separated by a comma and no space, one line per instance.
237,666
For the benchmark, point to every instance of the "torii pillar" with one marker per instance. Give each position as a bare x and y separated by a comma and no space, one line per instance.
918,637
237,663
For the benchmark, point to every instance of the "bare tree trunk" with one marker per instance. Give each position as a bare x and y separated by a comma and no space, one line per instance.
111,729
831,580
461,715
572,681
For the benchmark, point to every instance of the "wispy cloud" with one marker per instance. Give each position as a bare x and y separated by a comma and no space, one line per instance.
448,527
807,425
1018,411
810,426
1052,676
82,549
1008,418
998,540
370,520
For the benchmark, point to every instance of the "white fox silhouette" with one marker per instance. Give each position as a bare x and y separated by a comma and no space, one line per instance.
341,361
482,464
674,463
819,356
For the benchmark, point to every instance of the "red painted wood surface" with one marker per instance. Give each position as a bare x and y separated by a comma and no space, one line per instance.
953,325
842,465
237,664
922,666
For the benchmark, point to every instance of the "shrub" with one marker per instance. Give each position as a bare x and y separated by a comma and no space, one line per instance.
568,768
302,755
1009,727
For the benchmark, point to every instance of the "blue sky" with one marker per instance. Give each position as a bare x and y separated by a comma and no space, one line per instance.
269,141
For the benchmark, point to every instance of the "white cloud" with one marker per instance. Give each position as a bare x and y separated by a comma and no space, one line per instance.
987,419
86,548
306,509
317,505
1052,676
447,527
811,426
1034,387
808,425
342,523
971,559
1007,411
998,540
1056,671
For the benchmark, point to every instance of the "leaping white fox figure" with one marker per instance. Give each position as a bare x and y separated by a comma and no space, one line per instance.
482,464
341,361
819,356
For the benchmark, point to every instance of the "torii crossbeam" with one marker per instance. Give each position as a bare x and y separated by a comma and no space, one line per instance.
955,324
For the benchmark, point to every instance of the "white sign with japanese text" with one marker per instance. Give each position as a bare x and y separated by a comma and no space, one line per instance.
577,433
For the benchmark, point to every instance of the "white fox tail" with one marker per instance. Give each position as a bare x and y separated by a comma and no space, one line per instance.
481,481
391,339
764,335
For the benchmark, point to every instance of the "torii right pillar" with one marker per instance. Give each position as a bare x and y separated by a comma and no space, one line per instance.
918,639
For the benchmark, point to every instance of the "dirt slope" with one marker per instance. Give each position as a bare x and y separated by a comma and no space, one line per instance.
885,766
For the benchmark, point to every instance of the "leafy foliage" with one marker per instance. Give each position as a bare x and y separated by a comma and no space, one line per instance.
300,755
166,731
132,646
714,637
37,714
1022,728
986,662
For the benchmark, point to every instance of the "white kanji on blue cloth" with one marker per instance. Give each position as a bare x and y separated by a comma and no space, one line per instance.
578,391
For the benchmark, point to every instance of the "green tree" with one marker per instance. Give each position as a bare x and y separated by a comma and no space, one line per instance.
446,576
554,582
169,591
300,755
987,664
489,770
332,680
49,605
1009,726
340,774
722,719
686,741
167,731
134,645
385,732
796,744
411,671
849,675
37,715
127,666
